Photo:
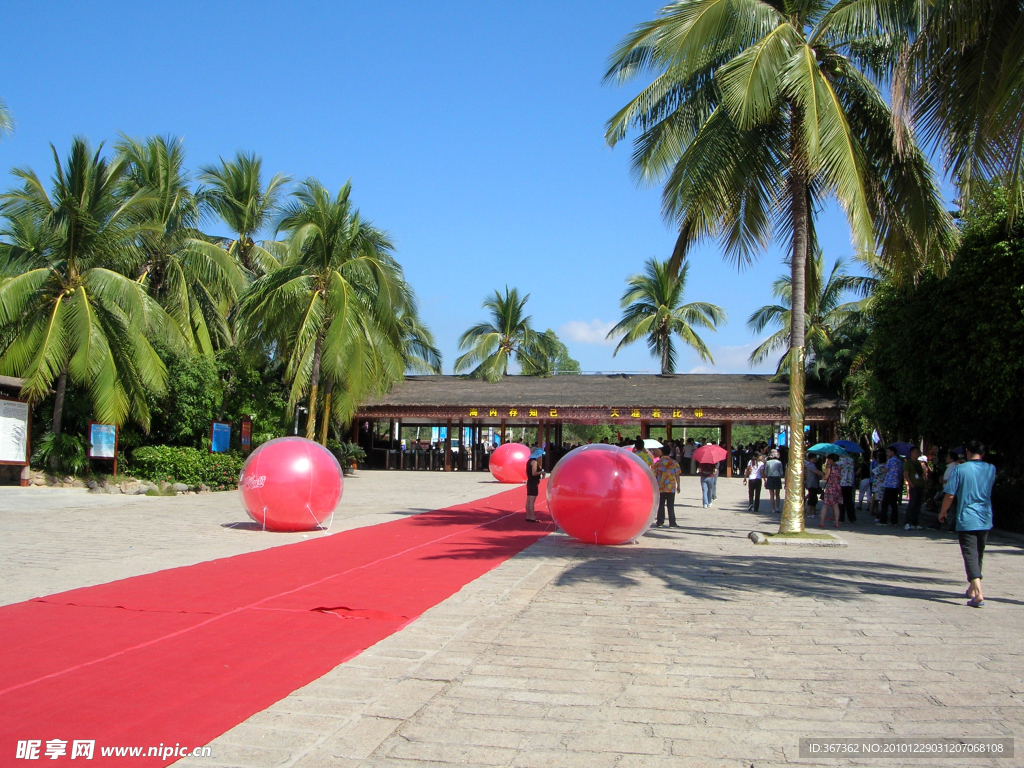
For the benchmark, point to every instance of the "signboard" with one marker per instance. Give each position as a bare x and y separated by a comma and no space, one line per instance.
220,436
13,432
103,439
246,433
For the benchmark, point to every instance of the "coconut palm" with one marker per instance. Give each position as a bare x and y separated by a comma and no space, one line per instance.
195,280
824,311
961,80
653,311
6,121
73,313
234,191
759,112
509,335
418,346
334,304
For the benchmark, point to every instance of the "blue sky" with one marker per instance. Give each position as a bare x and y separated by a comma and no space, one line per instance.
472,132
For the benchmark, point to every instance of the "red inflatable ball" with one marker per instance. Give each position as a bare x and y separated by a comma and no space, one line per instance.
603,494
508,462
291,484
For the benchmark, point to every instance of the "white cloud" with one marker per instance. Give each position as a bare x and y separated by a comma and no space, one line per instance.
583,332
735,360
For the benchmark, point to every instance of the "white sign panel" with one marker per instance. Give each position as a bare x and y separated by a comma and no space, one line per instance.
13,431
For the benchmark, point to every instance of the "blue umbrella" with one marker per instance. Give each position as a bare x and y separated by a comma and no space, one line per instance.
850,446
902,449
827,448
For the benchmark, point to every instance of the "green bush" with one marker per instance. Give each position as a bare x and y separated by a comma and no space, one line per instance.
187,465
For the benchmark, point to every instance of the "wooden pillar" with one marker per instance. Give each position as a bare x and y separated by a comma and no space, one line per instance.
645,430
727,444
462,445
401,453
502,432
448,447
668,430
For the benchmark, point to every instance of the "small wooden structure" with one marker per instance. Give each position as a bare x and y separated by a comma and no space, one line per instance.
638,402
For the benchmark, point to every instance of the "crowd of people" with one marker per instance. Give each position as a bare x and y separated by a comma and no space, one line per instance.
878,479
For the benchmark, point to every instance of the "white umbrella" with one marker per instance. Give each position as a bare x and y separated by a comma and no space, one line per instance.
648,444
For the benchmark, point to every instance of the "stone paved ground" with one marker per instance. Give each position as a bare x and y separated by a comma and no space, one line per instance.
693,648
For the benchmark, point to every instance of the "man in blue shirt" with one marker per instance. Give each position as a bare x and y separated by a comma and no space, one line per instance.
971,485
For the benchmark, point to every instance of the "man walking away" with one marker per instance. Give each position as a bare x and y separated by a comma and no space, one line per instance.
773,472
970,484
667,471
846,472
892,484
916,475
707,474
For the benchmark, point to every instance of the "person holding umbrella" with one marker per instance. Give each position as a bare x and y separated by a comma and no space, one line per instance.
832,497
707,457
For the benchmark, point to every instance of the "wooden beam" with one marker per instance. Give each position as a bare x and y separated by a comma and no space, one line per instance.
448,447
727,444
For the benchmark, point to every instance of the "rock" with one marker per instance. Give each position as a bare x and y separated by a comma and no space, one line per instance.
76,483
92,485
203,488
38,481
179,487
132,488
164,485
113,490
68,480
757,538
53,480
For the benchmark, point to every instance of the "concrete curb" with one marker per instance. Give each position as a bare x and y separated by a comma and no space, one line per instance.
765,539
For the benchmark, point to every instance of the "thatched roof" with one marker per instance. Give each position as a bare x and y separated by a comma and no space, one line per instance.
740,392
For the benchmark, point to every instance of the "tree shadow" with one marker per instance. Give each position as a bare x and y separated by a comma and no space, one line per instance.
719,577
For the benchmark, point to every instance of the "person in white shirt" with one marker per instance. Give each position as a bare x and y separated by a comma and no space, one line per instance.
752,479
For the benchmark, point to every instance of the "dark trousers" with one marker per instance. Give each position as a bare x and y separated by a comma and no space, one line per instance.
667,500
812,497
891,501
846,512
972,547
914,506
754,495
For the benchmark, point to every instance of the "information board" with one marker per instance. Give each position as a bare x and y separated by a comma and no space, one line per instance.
13,432
103,439
220,437
246,433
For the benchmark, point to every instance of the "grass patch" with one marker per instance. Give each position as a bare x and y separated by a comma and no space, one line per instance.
802,535
158,492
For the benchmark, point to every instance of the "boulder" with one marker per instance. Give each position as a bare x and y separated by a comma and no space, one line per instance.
132,488
92,485
179,487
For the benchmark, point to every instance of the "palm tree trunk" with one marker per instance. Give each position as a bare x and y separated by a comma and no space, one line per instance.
664,356
325,428
314,387
58,413
793,512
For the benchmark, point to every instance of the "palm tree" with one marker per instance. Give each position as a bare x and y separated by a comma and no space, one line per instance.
509,335
418,346
195,280
6,121
552,358
759,111
653,311
962,80
234,191
335,304
824,311
73,313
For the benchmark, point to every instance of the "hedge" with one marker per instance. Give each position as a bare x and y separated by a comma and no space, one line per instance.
186,465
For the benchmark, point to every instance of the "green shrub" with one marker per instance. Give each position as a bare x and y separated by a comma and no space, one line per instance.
187,465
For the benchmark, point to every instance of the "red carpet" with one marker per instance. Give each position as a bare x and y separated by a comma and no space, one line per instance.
180,656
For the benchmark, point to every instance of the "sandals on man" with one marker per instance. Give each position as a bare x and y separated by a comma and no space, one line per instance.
975,602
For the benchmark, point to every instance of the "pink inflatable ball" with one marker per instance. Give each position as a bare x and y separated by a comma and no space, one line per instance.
508,462
603,494
291,484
